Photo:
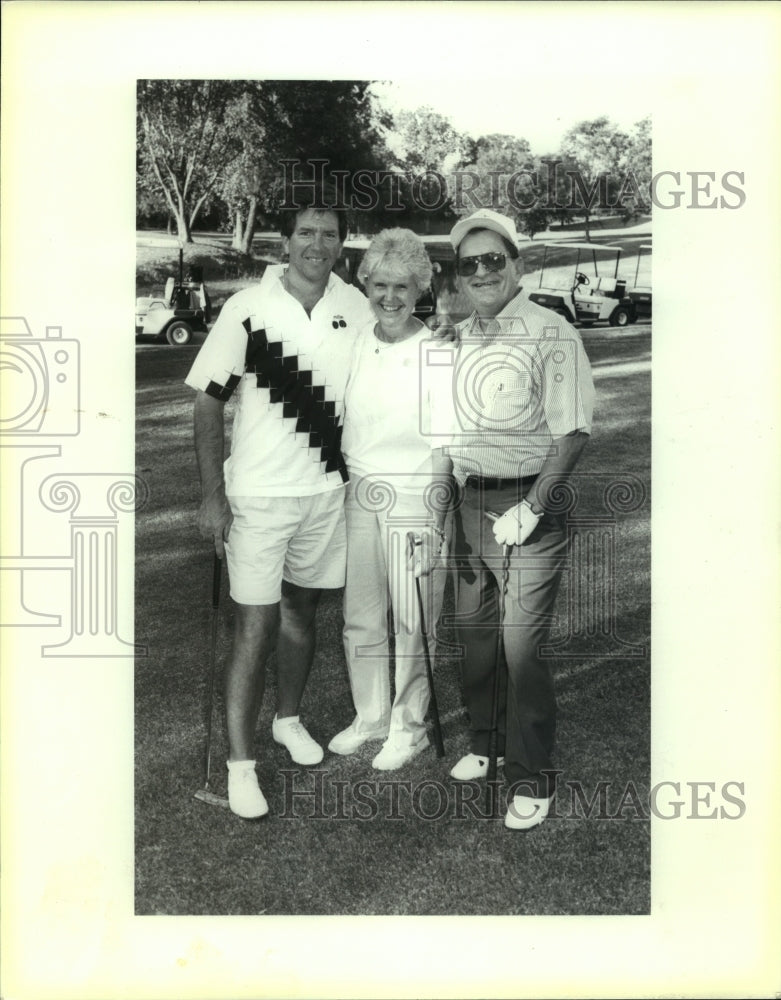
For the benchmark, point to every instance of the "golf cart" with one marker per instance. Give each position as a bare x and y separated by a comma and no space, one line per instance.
587,300
641,294
183,308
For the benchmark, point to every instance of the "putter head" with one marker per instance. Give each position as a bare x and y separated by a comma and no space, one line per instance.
204,795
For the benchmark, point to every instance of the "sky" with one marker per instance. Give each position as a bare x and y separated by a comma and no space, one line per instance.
498,107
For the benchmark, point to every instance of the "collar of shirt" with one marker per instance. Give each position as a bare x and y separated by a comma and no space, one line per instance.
275,272
510,320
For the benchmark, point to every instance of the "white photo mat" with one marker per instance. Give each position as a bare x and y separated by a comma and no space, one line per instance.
709,75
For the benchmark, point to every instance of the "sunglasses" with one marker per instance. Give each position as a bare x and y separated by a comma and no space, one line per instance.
493,261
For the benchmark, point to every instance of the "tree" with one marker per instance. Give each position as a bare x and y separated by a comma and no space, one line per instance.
247,177
297,121
242,191
536,220
554,186
428,141
636,168
334,120
502,167
425,146
191,132
595,150
150,207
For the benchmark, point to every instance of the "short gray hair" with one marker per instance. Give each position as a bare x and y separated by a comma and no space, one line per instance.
398,249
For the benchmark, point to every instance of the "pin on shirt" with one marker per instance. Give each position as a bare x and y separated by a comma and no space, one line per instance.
337,322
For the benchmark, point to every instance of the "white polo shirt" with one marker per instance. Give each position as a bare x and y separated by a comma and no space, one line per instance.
393,399
288,371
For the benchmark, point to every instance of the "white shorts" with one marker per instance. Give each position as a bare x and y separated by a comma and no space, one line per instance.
298,539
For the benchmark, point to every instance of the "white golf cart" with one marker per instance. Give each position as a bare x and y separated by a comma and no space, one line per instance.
584,299
183,308
641,294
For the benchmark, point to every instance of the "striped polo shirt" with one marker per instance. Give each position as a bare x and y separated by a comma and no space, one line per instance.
517,386
287,371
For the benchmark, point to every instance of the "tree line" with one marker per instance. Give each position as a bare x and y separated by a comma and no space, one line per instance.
217,152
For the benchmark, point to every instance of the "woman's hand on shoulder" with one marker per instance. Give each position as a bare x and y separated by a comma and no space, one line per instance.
442,327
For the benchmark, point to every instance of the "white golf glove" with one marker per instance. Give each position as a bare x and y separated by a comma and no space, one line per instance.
516,524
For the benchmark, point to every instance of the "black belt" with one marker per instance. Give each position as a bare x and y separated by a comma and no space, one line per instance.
489,483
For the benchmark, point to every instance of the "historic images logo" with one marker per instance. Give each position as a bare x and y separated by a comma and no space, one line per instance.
554,188
313,794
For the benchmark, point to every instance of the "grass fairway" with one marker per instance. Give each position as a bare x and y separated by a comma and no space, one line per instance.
341,838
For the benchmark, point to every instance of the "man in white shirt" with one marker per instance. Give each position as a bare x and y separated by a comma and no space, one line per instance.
524,398
275,507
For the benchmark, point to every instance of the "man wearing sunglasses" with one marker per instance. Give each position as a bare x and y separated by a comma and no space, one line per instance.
523,397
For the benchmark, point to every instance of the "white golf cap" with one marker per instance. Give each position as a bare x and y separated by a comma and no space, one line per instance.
484,218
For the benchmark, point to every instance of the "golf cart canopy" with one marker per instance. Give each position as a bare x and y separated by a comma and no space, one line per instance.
581,246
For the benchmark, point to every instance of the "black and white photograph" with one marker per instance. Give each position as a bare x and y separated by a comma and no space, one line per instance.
412,617
395,587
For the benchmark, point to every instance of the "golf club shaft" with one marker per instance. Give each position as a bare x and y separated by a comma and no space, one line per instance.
433,707
439,744
216,582
493,735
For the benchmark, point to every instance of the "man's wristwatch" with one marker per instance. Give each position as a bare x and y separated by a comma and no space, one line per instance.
537,511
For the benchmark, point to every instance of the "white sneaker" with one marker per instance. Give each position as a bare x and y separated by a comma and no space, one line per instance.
244,795
352,738
472,766
300,745
395,754
525,812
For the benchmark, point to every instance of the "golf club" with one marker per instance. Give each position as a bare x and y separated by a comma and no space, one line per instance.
205,794
493,734
413,541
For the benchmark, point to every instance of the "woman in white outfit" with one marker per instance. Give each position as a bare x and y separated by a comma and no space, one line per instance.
396,486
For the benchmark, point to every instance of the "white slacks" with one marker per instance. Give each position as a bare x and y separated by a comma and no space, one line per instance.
378,580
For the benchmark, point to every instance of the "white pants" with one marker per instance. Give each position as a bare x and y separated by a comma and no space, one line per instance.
378,578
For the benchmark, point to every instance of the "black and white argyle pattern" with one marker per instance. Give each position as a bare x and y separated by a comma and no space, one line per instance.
297,391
